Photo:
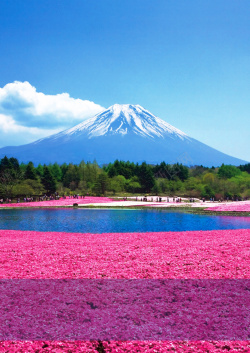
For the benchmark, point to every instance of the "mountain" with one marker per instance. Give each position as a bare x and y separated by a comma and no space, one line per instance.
124,132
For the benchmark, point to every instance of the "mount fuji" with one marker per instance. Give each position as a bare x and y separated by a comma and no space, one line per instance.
124,132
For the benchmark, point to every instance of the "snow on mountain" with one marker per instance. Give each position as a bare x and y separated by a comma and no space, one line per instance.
125,132
125,119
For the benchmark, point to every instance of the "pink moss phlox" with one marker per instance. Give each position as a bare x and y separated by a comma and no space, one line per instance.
124,346
242,206
193,254
61,202
102,309
201,254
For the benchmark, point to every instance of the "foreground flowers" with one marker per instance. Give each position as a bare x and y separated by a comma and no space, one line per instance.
202,254
127,347
124,310
194,254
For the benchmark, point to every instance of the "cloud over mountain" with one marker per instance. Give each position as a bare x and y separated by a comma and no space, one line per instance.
26,114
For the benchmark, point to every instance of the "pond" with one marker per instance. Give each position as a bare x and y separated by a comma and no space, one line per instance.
115,221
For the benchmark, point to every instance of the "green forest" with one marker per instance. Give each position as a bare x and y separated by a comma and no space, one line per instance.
19,180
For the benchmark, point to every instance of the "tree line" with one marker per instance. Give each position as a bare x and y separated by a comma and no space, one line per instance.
120,178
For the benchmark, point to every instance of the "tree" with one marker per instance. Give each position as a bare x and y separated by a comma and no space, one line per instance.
39,170
91,172
146,177
245,168
101,184
14,164
208,179
30,172
7,181
82,170
28,187
228,171
112,171
10,164
182,172
5,164
207,192
9,175
156,190
117,183
72,177
48,181
115,186
56,171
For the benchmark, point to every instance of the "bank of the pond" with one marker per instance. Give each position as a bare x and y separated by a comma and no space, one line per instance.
179,208
240,208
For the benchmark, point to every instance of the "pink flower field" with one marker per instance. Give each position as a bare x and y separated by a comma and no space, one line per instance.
199,254
242,206
204,255
61,202
125,346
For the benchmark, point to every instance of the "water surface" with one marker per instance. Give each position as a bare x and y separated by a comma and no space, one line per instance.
110,220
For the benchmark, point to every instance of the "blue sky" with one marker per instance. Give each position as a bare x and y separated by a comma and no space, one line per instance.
187,62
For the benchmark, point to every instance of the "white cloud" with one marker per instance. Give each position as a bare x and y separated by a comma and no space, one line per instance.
13,134
8,125
24,111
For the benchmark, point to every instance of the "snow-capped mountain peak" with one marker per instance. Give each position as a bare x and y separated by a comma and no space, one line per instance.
126,119
125,132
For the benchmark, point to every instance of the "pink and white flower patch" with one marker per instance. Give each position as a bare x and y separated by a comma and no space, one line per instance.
242,206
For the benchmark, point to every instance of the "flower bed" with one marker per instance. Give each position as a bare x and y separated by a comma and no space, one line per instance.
221,254
61,202
125,346
242,206
193,254
124,309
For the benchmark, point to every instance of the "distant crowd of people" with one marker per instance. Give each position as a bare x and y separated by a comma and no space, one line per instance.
77,196
158,199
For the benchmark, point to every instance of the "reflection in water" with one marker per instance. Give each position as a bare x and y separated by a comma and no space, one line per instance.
105,221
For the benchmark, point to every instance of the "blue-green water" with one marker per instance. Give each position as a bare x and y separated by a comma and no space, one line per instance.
108,220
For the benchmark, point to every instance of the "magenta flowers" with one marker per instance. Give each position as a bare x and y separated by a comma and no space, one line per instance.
61,202
123,310
202,255
243,206
199,254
